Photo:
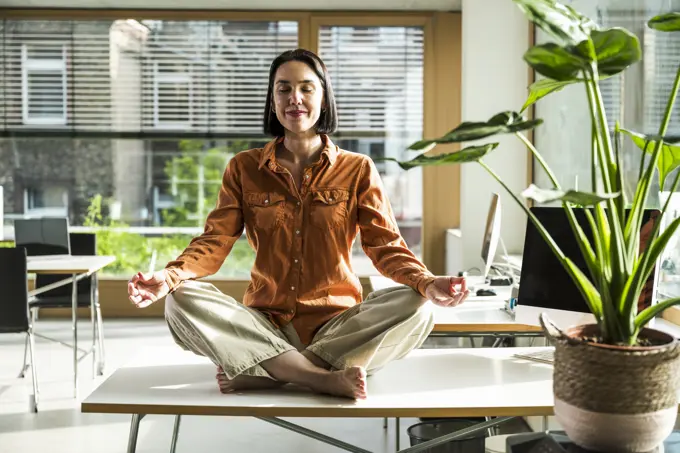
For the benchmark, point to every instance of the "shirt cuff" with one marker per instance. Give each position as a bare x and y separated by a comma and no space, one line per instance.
172,279
424,283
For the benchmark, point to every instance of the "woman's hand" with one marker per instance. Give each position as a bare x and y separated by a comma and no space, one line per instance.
442,291
145,289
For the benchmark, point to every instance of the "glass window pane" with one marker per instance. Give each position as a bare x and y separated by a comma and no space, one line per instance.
377,76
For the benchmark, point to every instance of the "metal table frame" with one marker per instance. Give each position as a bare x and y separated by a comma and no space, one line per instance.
97,351
490,424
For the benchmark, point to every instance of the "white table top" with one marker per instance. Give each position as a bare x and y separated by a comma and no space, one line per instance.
64,264
427,383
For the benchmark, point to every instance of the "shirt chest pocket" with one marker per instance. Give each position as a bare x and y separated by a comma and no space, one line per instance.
329,208
266,210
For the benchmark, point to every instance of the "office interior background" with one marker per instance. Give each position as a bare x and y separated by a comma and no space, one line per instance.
121,116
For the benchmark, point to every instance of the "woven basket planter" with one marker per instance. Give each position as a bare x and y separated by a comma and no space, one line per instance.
614,399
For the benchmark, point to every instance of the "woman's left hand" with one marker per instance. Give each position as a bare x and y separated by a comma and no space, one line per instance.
442,291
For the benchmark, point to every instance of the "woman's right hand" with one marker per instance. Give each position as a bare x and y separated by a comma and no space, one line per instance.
145,289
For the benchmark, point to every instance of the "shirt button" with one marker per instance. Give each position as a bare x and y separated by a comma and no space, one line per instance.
298,203
296,260
266,201
297,231
292,288
306,176
330,199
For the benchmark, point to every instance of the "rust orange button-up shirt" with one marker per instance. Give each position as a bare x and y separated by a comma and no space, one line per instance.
302,239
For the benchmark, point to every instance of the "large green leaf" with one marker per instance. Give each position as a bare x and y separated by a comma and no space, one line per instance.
469,154
542,88
669,159
665,22
570,196
561,22
555,62
616,49
502,123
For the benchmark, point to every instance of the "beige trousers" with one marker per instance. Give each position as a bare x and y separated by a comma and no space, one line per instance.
386,326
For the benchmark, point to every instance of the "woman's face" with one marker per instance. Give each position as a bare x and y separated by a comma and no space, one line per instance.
298,97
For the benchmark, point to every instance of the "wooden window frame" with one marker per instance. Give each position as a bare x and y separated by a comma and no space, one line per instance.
441,93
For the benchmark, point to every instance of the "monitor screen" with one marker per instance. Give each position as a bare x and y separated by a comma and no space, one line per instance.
492,233
544,282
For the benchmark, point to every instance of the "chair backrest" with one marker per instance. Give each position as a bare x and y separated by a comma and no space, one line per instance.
44,236
14,295
81,244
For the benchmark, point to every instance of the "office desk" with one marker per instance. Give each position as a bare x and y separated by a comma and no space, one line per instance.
476,317
426,383
78,267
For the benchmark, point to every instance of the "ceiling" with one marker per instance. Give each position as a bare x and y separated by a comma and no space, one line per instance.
338,5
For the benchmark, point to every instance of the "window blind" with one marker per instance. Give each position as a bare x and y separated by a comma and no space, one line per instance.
377,76
137,78
661,53
661,57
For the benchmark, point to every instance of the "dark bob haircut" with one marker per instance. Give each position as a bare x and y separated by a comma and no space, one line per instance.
328,120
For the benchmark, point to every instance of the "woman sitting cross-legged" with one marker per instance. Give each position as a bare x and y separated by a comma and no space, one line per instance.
301,201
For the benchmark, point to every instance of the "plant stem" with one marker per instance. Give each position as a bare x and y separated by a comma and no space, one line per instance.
617,242
540,159
646,181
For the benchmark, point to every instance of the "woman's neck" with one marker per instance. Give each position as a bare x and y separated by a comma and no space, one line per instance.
302,149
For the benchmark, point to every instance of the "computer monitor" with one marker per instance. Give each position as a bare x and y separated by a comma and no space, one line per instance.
44,236
492,233
544,284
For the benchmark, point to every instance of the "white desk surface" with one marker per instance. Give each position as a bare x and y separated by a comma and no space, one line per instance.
68,264
427,383
476,314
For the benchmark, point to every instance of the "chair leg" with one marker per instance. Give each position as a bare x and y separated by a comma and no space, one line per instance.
34,371
100,339
95,352
24,367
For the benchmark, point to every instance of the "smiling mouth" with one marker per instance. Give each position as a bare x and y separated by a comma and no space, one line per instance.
296,113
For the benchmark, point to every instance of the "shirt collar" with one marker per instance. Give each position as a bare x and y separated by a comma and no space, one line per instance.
269,151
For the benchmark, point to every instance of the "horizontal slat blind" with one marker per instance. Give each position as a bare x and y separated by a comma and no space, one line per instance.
377,75
138,78
662,56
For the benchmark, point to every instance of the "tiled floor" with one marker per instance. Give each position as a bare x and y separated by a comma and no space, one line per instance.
60,427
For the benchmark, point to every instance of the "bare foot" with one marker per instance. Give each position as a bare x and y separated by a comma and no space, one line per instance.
244,382
350,383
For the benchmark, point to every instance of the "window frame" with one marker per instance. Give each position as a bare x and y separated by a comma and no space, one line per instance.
172,78
34,65
441,85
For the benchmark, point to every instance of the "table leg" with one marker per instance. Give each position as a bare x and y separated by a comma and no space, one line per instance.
134,431
74,314
175,434
397,430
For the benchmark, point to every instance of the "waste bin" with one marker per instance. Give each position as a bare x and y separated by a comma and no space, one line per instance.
422,432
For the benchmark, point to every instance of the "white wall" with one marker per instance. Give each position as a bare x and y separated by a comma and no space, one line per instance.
494,79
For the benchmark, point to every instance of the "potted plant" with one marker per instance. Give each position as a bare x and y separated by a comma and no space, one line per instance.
615,381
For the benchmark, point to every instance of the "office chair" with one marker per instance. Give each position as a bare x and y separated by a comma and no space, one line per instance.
43,236
14,315
88,296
